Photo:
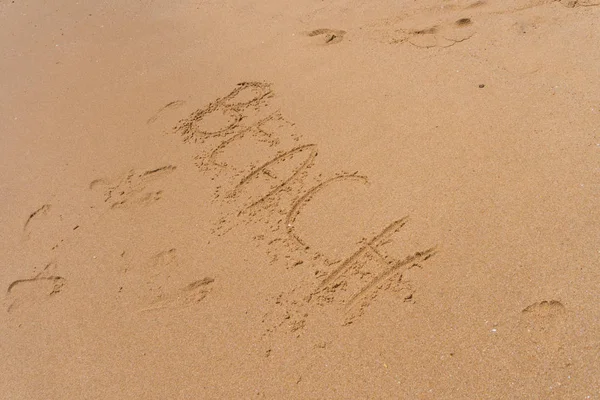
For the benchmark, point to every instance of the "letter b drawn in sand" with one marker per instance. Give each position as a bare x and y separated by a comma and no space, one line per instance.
223,116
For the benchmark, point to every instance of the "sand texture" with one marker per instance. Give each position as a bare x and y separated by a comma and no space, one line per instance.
340,199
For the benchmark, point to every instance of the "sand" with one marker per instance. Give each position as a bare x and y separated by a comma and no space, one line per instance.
320,200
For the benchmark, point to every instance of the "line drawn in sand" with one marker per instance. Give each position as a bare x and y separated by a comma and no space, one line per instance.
132,188
38,214
169,106
42,285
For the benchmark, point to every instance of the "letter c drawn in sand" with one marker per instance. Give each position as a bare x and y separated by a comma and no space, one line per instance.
304,199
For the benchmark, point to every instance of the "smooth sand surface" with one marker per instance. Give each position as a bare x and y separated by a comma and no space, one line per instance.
341,199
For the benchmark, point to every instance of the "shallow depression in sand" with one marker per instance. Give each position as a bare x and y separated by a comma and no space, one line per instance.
215,121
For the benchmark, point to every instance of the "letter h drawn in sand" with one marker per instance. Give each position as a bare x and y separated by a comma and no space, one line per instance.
359,279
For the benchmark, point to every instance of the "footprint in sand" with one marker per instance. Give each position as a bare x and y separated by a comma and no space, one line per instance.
543,328
132,189
443,35
36,289
544,323
191,294
159,283
579,3
328,36
450,24
428,33
429,27
540,346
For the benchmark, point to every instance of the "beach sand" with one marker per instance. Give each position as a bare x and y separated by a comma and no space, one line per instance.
319,200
